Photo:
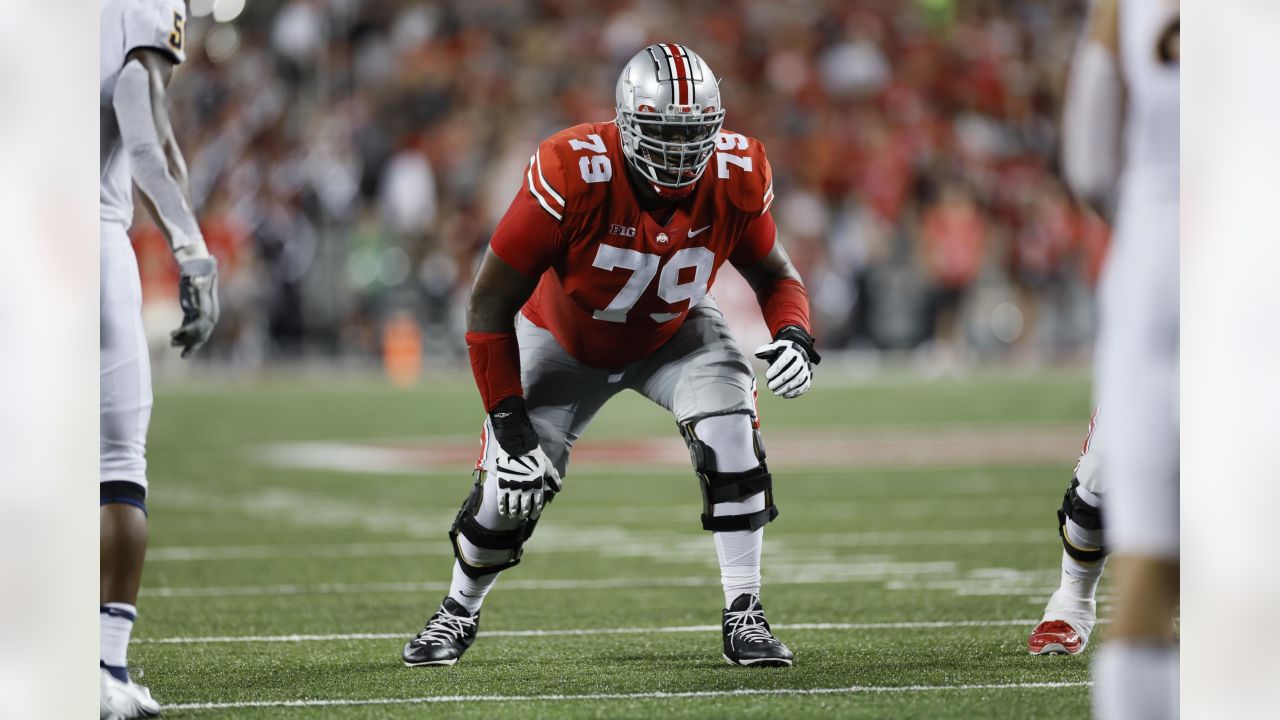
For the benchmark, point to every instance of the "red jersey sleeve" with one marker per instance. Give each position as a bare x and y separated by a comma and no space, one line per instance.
756,242
529,236
748,172
544,179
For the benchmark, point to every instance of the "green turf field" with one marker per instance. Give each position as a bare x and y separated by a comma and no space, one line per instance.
295,546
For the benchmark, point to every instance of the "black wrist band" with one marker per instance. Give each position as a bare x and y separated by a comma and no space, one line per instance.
512,428
797,335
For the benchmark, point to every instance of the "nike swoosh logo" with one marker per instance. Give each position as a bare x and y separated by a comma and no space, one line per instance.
695,233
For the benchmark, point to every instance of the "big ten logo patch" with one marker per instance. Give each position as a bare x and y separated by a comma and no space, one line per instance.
622,231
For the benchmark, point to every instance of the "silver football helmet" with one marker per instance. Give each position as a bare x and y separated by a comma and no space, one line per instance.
669,112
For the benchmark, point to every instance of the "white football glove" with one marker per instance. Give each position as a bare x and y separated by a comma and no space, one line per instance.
526,478
791,358
524,482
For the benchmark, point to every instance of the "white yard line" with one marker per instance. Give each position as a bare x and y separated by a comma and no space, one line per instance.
916,538
934,624
829,573
695,694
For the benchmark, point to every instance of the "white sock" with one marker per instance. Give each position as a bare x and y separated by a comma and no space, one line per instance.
1135,681
739,550
1080,579
115,624
467,591
739,554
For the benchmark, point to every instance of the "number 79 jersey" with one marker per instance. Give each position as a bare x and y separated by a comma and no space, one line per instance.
615,283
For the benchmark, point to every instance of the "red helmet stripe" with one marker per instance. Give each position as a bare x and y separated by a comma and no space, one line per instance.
680,63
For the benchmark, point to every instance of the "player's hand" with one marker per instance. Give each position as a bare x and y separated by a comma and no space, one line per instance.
525,483
526,478
791,358
198,295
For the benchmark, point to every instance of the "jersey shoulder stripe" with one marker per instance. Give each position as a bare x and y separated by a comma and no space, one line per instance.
542,190
571,170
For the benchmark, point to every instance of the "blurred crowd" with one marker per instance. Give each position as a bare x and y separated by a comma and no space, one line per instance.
350,158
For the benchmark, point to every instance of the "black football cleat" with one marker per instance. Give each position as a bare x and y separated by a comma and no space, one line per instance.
446,636
747,639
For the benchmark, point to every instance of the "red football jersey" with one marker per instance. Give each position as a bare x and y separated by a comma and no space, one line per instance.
615,283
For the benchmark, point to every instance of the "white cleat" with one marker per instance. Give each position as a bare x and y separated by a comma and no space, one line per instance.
125,701
1065,627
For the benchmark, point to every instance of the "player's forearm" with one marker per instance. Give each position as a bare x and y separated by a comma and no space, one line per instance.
177,165
1091,126
487,313
779,289
492,346
151,168
784,301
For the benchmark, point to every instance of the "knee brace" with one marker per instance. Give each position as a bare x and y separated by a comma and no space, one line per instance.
721,487
122,492
466,525
1077,512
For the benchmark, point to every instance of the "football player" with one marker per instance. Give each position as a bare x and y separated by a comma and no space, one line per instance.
596,281
1072,610
142,41
1120,150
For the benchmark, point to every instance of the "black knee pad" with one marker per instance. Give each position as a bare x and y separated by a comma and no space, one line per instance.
122,492
720,487
465,524
1086,516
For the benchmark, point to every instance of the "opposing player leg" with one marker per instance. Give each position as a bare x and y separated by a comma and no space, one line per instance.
125,412
1072,610
703,378
562,395
1136,669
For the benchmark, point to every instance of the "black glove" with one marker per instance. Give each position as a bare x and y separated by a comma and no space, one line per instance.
512,428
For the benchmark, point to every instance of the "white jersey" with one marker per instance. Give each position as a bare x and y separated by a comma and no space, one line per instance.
1148,33
127,25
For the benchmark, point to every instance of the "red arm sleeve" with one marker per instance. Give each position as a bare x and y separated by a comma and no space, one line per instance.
495,362
783,302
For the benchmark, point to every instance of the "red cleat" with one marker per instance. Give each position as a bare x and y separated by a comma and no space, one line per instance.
1054,637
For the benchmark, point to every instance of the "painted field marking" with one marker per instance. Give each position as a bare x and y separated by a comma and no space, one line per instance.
933,624
423,548
873,572
919,447
693,694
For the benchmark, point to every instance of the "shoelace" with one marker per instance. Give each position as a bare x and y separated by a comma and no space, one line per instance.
748,625
444,627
